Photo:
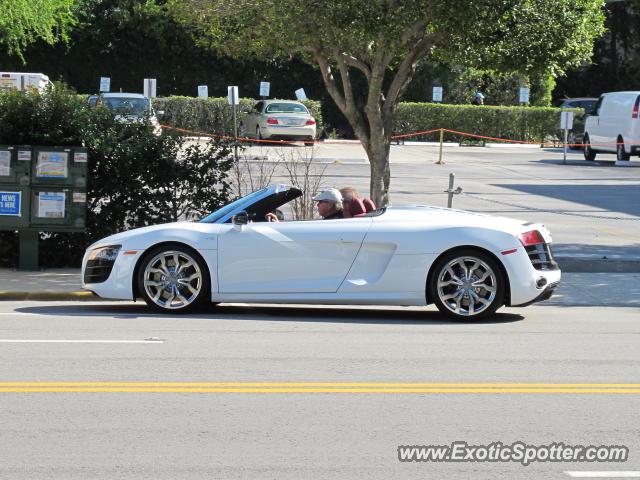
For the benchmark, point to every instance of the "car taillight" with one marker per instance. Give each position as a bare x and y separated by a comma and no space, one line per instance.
310,122
272,121
635,111
533,237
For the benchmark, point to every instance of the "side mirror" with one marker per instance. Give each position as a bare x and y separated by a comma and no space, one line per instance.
240,219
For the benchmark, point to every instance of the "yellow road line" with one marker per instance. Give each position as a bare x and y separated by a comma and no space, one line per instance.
177,387
319,384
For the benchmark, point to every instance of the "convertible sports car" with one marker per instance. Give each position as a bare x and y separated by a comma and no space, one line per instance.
468,264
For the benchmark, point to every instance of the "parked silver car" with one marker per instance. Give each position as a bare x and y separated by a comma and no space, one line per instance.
278,120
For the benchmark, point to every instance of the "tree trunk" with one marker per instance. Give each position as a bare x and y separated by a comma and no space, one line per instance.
378,152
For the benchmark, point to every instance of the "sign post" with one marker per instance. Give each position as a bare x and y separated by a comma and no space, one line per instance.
437,94
264,89
232,93
524,96
149,87
301,95
566,123
105,84
203,91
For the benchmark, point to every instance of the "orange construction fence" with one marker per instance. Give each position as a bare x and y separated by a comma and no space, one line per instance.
441,130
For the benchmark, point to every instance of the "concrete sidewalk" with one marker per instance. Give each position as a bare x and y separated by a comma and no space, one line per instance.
576,289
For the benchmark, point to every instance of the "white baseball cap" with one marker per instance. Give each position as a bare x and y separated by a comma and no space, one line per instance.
331,194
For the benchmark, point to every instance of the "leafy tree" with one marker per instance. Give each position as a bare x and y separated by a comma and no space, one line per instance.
24,21
379,43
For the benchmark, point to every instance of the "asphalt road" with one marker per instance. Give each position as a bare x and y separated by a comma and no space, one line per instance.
149,427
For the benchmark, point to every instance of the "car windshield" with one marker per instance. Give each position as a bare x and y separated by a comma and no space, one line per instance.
286,108
221,212
128,106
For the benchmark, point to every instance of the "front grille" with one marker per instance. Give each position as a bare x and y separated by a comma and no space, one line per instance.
541,256
97,271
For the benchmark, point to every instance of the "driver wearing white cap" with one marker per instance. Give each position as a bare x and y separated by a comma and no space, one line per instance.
329,204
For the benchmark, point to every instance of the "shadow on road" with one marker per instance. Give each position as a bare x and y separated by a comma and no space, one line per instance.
320,314
612,198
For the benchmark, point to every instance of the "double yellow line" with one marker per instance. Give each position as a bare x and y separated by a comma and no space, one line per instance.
222,387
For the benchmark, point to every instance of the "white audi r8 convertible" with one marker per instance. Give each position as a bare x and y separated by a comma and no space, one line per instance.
468,264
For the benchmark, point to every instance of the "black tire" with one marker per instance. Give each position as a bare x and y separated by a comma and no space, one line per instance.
467,284
572,140
621,155
589,153
173,278
258,135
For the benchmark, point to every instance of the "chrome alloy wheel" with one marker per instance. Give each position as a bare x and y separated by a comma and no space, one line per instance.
172,280
467,286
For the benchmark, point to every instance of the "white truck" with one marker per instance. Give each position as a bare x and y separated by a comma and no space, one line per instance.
23,81
614,126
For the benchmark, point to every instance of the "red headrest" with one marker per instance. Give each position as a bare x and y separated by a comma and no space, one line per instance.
356,207
369,205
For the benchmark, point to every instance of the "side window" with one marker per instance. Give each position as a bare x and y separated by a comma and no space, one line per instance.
596,109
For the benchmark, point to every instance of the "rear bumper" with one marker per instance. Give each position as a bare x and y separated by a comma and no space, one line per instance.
544,295
288,132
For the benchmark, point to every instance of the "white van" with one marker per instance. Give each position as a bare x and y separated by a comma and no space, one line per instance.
614,126
23,81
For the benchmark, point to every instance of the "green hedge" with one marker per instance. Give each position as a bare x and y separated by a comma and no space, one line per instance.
135,177
213,115
531,124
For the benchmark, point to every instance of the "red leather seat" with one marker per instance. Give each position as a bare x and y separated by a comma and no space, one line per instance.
356,207
369,205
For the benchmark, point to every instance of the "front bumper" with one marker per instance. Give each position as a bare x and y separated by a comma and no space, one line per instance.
118,283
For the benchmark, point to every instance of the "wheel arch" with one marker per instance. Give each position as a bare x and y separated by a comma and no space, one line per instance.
503,270
134,277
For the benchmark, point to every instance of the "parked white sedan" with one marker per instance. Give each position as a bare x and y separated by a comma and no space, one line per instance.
468,264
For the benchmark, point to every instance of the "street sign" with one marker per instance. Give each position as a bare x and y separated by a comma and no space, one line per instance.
300,95
264,89
105,84
149,87
10,203
524,95
437,94
203,91
566,120
232,94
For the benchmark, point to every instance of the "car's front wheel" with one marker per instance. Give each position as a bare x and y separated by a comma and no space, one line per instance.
467,284
589,153
173,279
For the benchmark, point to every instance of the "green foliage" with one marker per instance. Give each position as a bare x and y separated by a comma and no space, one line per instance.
135,177
24,21
213,115
531,124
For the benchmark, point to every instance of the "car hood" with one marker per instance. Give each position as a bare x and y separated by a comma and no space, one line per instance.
121,237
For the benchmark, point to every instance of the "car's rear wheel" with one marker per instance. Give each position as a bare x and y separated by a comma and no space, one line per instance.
467,284
589,153
621,155
173,279
258,134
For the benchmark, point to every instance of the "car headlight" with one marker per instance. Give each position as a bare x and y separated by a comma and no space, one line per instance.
109,252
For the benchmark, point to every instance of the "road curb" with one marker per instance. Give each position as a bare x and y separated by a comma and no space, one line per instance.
591,264
49,296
